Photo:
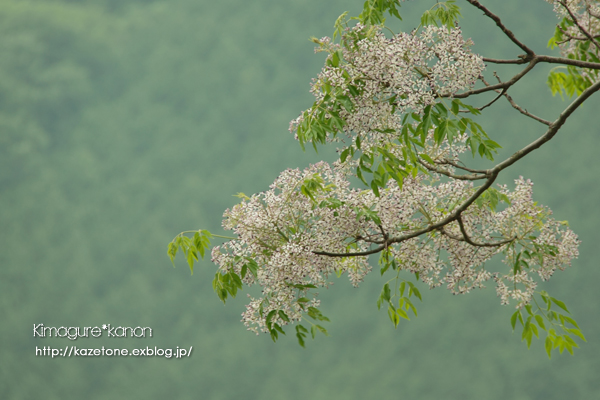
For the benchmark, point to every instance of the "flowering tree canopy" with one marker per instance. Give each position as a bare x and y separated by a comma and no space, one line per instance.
400,108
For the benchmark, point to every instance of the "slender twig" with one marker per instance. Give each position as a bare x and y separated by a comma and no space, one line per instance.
552,129
503,85
502,92
456,165
470,177
524,111
504,29
467,239
568,35
473,243
516,106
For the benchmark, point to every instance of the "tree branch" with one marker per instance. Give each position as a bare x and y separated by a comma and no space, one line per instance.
456,165
491,175
567,61
503,85
470,177
472,243
552,130
504,29
524,111
516,106
571,37
498,61
581,28
547,59
501,93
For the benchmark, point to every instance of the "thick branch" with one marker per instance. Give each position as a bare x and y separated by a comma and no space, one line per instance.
548,59
552,129
568,61
503,85
498,61
492,175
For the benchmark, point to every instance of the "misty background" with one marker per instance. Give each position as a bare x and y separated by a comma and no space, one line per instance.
123,123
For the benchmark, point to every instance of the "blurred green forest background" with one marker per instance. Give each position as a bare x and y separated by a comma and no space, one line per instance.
123,123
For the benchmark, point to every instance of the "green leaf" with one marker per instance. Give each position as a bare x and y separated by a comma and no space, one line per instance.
274,335
278,328
455,106
393,316
549,345
534,329
560,304
314,313
335,59
270,316
513,319
323,330
346,102
402,288
283,316
252,266
578,333
540,321
172,252
427,158
570,320
415,291
301,334
300,337
191,256
386,292
344,155
402,313
383,296
299,286
427,120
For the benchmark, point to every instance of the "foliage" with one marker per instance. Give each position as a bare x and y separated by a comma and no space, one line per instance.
187,102
394,103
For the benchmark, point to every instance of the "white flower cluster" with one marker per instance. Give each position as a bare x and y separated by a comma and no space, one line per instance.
316,210
394,76
587,15
311,224
280,229
576,6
